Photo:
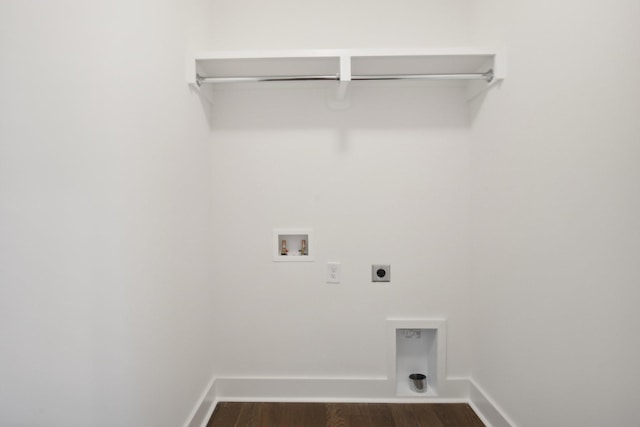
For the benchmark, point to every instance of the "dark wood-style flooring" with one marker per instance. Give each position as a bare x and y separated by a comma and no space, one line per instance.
249,414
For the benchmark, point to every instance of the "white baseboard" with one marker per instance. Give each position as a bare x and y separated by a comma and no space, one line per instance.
329,390
354,390
203,409
490,413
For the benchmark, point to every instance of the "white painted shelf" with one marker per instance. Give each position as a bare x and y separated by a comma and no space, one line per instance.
222,68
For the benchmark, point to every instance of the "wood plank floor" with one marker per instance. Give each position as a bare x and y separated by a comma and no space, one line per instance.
259,414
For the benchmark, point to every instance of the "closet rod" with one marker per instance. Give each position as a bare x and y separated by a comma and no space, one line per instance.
203,80
487,76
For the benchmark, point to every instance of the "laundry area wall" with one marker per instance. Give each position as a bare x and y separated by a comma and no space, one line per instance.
383,181
556,215
105,213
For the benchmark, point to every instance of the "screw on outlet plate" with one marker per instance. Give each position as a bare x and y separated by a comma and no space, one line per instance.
381,273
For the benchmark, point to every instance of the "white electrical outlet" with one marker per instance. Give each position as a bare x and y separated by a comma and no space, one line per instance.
333,272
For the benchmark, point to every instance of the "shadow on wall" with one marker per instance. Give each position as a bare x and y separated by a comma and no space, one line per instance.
392,105
476,102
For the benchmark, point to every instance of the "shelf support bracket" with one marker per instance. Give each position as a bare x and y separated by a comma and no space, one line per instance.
342,97
345,68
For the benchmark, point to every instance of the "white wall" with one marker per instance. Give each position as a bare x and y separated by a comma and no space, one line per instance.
104,215
385,181
288,24
376,186
557,214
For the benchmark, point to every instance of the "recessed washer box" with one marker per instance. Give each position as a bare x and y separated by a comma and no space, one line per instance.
293,244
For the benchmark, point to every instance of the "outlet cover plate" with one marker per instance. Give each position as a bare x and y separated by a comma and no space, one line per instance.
333,272
381,273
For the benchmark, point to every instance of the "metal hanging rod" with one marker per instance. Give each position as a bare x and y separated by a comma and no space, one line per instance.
205,80
487,76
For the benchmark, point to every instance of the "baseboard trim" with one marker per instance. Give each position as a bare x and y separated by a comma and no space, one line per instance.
330,390
353,390
490,413
204,407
